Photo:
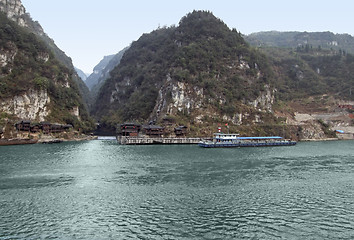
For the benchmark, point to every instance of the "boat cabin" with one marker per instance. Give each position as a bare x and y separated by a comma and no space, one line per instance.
224,136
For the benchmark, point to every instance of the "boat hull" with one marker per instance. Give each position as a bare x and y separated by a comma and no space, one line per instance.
248,144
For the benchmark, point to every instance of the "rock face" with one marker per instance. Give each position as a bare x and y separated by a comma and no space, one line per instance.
35,83
102,72
17,13
266,100
14,11
30,106
92,80
7,55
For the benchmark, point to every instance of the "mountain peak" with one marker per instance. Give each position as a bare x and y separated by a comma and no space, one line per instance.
201,24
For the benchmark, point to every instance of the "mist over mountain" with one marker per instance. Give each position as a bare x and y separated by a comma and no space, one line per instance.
92,79
81,74
103,72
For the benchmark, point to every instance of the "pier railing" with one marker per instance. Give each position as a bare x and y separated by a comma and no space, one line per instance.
161,140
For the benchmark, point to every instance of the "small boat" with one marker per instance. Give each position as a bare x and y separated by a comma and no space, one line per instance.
17,141
233,140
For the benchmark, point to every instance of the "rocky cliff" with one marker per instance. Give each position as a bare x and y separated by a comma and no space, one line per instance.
17,13
32,105
14,11
102,72
97,73
34,84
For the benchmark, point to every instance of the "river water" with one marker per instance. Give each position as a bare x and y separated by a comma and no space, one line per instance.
101,190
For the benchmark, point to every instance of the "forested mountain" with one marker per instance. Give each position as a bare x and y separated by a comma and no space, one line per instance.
199,72
318,40
304,72
34,84
309,63
17,13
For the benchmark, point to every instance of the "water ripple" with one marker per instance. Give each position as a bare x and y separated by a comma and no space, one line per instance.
100,190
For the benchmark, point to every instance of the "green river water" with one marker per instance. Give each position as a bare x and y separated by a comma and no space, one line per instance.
101,190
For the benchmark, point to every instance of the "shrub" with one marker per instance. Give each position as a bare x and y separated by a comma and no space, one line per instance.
41,83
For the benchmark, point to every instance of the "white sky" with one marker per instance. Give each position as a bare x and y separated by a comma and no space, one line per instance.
87,30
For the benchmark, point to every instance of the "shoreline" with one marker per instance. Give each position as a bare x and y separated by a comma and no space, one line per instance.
53,139
320,139
44,140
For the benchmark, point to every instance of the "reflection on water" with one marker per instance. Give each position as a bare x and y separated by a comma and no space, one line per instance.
101,190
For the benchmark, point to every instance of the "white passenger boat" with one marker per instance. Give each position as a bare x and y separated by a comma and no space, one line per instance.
233,140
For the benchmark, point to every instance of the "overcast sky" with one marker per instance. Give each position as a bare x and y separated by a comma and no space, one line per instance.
87,30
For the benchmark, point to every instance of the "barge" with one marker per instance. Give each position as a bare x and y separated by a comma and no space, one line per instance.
233,140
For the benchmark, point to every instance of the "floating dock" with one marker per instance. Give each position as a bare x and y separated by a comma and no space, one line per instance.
124,140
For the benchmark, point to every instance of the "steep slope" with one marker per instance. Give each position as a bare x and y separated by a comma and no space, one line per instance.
81,74
198,73
34,84
17,13
92,80
303,73
104,73
314,90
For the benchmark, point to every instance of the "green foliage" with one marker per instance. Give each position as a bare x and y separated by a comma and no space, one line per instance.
141,105
28,70
302,74
304,41
326,129
201,52
41,83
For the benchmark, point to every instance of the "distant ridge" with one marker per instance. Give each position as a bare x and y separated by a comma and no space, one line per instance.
326,40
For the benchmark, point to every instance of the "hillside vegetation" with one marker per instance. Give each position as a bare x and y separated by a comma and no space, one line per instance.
202,74
211,65
29,64
324,40
305,72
